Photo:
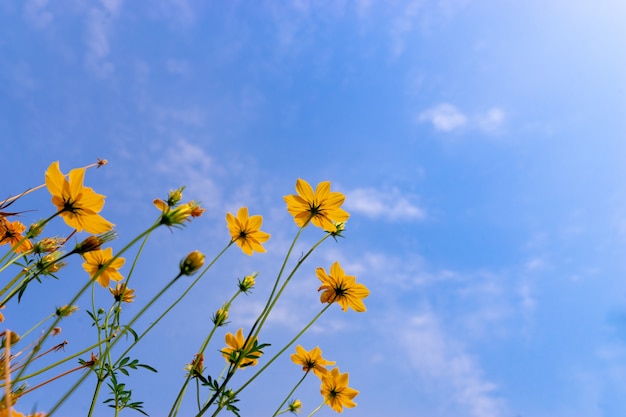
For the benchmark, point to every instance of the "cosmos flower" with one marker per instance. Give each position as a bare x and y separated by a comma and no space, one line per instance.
341,288
77,205
336,391
311,360
246,231
322,207
96,259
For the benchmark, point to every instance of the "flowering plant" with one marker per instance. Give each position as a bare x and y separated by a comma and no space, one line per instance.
31,255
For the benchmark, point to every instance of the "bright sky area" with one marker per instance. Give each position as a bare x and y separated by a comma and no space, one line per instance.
480,145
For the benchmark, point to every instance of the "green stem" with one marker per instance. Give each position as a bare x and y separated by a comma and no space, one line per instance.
318,408
290,394
203,346
291,342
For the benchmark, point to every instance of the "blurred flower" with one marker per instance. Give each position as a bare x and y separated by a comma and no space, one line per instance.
78,205
49,244
66,310
11,233
321,207
12,413
336,391
50,264
311,360
95,260
196,367
295,406
123,294
235,349
92,243
246,231
220,316
176,216
341,288
192,263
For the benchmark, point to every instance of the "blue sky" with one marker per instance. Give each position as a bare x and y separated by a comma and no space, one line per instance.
481,146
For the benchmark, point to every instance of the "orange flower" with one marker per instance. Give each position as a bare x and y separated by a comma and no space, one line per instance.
11,233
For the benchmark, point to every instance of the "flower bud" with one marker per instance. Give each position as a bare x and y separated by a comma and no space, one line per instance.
220,317
247,283
35,229
66,310
175,196
93,243
192,263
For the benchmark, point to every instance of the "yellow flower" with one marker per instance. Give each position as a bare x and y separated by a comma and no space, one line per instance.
192,263
11,233
78,205
247,283
341,288
123,294
12,413
246,231
97,259
235,349
322,207
295,406
311,360
336,391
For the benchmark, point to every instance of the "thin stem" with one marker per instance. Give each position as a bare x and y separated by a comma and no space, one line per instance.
291,342
290,394
318,408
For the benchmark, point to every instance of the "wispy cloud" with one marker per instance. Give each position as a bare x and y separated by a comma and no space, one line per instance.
97,37
446,117
36,13
387,204
437,357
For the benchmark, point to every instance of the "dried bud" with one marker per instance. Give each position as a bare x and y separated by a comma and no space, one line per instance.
192,263
50,263
48,245
196,367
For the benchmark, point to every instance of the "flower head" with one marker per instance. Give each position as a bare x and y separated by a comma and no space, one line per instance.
246,231
95,260
220,316
78,205
247,283
196,367
295,406
235,350
66,310
123,294
322,207
11,233
336,391
311,360
176,216
341,288
192,263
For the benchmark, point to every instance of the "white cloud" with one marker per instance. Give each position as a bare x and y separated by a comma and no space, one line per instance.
444,117
438,358
97,38
390,204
